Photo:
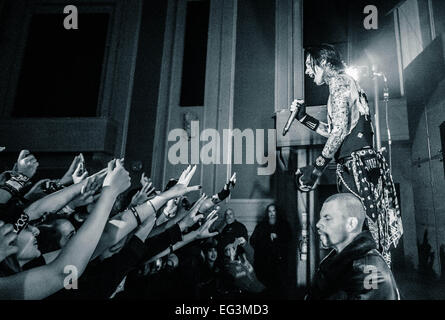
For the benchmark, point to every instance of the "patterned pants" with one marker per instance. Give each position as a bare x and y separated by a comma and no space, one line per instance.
366,175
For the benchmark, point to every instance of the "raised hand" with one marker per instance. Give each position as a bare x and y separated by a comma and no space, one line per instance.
170,208
181,188
203,231
37,191
83,199
225,192
80,173
93,184
87,194
217,198
192,216
143,195
239,241
273,236
144,180
26,164
7,237
67,177
231,183
117,179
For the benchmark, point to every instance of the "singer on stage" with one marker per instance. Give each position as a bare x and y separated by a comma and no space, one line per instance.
361,170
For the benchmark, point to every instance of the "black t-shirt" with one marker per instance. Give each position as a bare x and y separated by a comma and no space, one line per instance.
235,229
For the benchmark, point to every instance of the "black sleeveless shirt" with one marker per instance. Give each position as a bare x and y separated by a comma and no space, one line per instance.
360,137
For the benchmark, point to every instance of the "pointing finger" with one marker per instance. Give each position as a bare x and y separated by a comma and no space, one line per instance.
193,188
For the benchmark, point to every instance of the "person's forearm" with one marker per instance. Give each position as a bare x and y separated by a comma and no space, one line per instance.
323,129
5,196
145,229
39,283
162,241
104,277
66,180
53,202
80,248
334,142
158,229
15,185
145,211
189,237
125,222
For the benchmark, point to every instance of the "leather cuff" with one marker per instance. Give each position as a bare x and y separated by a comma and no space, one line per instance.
310,122
16,183
223,194
320,164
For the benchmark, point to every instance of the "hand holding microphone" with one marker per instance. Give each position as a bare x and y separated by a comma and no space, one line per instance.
298,110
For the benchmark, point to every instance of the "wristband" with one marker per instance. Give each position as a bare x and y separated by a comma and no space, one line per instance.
51,187
136,215
21,223
19,177
11,190
310,122
320,164
224,194
15,184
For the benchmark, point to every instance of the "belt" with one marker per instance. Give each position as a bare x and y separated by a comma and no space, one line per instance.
368,157
361,152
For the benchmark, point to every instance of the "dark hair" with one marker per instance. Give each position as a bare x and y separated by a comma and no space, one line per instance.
224,241
266,211
209,244
122,202
270,205
279,213
328,53
49,237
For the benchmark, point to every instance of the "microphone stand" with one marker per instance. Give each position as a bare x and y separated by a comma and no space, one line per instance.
376,108
376,76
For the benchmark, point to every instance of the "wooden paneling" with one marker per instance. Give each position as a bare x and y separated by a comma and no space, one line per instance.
247,211
59,135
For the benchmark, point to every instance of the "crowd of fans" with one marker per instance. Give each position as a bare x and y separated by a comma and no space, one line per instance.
88,236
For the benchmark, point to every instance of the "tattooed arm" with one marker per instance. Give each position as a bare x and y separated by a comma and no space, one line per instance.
340,95
323,129
307,177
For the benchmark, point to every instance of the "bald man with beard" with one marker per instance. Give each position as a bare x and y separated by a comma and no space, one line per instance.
354,269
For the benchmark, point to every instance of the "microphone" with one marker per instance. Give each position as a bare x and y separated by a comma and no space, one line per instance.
290,120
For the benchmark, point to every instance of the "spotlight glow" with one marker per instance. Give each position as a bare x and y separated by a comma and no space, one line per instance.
353,72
